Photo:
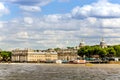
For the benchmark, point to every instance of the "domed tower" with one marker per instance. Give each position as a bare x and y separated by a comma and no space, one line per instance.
102,43
82,43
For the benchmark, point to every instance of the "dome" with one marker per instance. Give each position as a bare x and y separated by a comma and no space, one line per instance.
103,44
82,44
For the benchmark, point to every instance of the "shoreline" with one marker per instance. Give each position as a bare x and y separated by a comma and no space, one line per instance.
69,65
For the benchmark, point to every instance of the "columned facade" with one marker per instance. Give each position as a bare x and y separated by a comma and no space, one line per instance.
19,55
42,56
29,55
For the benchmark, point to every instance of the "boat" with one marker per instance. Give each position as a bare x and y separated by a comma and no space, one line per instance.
58,61
79,61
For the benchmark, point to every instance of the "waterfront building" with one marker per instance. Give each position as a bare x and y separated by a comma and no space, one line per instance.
42,56
67,54
29,55
19,55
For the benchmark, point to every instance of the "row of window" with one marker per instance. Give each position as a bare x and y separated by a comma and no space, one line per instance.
42,56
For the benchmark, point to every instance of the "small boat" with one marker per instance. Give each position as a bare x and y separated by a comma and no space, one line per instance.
58,61
79,61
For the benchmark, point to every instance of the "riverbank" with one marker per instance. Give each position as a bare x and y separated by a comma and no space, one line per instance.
69,65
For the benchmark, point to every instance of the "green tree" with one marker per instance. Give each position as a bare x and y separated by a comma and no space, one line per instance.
70,47
96,50
102,52
89,51
111,52
83,51
57,49
117,49
6,55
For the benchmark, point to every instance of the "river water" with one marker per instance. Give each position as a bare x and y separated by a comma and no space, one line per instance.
57,72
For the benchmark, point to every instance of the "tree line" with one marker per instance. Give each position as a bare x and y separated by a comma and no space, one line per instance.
110,51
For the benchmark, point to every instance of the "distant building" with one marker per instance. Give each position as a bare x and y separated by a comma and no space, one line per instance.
67,54
42,56
82,44
103,44
29,55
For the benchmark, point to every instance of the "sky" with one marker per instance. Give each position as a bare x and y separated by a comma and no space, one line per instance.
43,24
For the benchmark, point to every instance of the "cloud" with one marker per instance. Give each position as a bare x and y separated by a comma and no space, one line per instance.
1,25
22,35
3,9
2,38
101,9
50,34
52,18
30,5
31,8
62,33
28,20
62,30
113,23
30,2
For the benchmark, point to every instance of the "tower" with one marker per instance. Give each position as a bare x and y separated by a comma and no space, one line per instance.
102,43
82,43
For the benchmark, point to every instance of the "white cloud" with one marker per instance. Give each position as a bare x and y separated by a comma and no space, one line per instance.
62,30
52,18
51,34
114,22
22,35
101,9
28,20
1,24
2,38
30,5
31,8
3,9
30,2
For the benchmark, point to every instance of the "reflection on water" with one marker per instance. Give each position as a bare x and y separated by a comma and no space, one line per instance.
56,72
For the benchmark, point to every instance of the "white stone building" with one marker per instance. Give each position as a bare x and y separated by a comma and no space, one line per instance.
29,55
